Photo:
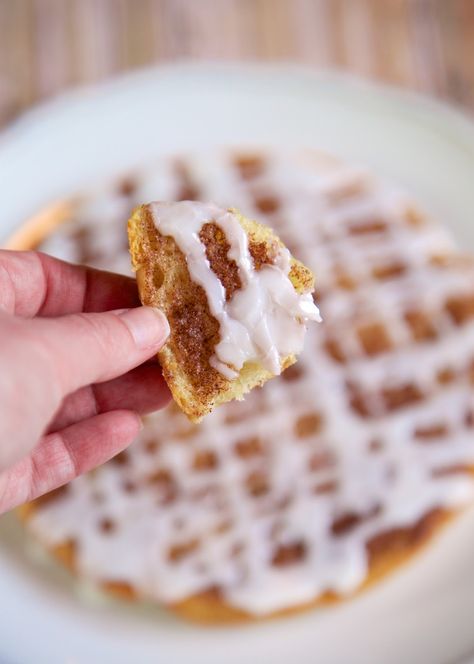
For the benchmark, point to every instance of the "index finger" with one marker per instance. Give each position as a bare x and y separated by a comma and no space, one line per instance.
34,284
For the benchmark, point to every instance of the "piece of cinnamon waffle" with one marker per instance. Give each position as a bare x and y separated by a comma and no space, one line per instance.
331,475
236,301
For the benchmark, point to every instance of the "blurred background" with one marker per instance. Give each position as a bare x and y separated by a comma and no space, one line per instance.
49,45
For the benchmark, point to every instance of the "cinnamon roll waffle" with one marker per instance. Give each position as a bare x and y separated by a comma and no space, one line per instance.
237,302
331,475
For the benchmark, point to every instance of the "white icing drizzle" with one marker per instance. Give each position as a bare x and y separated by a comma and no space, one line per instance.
342,462
265,319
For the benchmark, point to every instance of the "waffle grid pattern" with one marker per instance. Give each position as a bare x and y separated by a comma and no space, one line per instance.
275,500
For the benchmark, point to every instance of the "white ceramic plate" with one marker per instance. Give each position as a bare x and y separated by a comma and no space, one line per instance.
424,613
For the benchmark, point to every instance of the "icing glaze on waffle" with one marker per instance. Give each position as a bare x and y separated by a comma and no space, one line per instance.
274,500
265,319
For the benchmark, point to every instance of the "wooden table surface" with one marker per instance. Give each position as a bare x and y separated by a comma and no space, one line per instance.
49,45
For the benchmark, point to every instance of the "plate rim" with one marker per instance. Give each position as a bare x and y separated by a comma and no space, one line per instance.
81,92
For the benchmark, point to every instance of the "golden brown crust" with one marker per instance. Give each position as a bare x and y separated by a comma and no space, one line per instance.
387,552
164,281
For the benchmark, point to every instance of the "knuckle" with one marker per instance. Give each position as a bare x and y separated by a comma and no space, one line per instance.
103,330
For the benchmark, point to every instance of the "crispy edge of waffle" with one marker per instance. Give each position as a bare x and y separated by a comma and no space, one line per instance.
164,282
38,227
388,551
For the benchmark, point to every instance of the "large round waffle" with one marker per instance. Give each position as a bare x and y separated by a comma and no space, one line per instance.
328,477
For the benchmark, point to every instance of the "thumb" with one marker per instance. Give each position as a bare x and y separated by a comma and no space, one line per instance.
92,348
44,359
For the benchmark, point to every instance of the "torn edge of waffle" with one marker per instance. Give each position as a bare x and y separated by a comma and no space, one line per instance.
237,302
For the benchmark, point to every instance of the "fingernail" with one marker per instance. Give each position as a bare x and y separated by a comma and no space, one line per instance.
148,326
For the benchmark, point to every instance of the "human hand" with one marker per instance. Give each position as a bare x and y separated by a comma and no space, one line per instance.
72,380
